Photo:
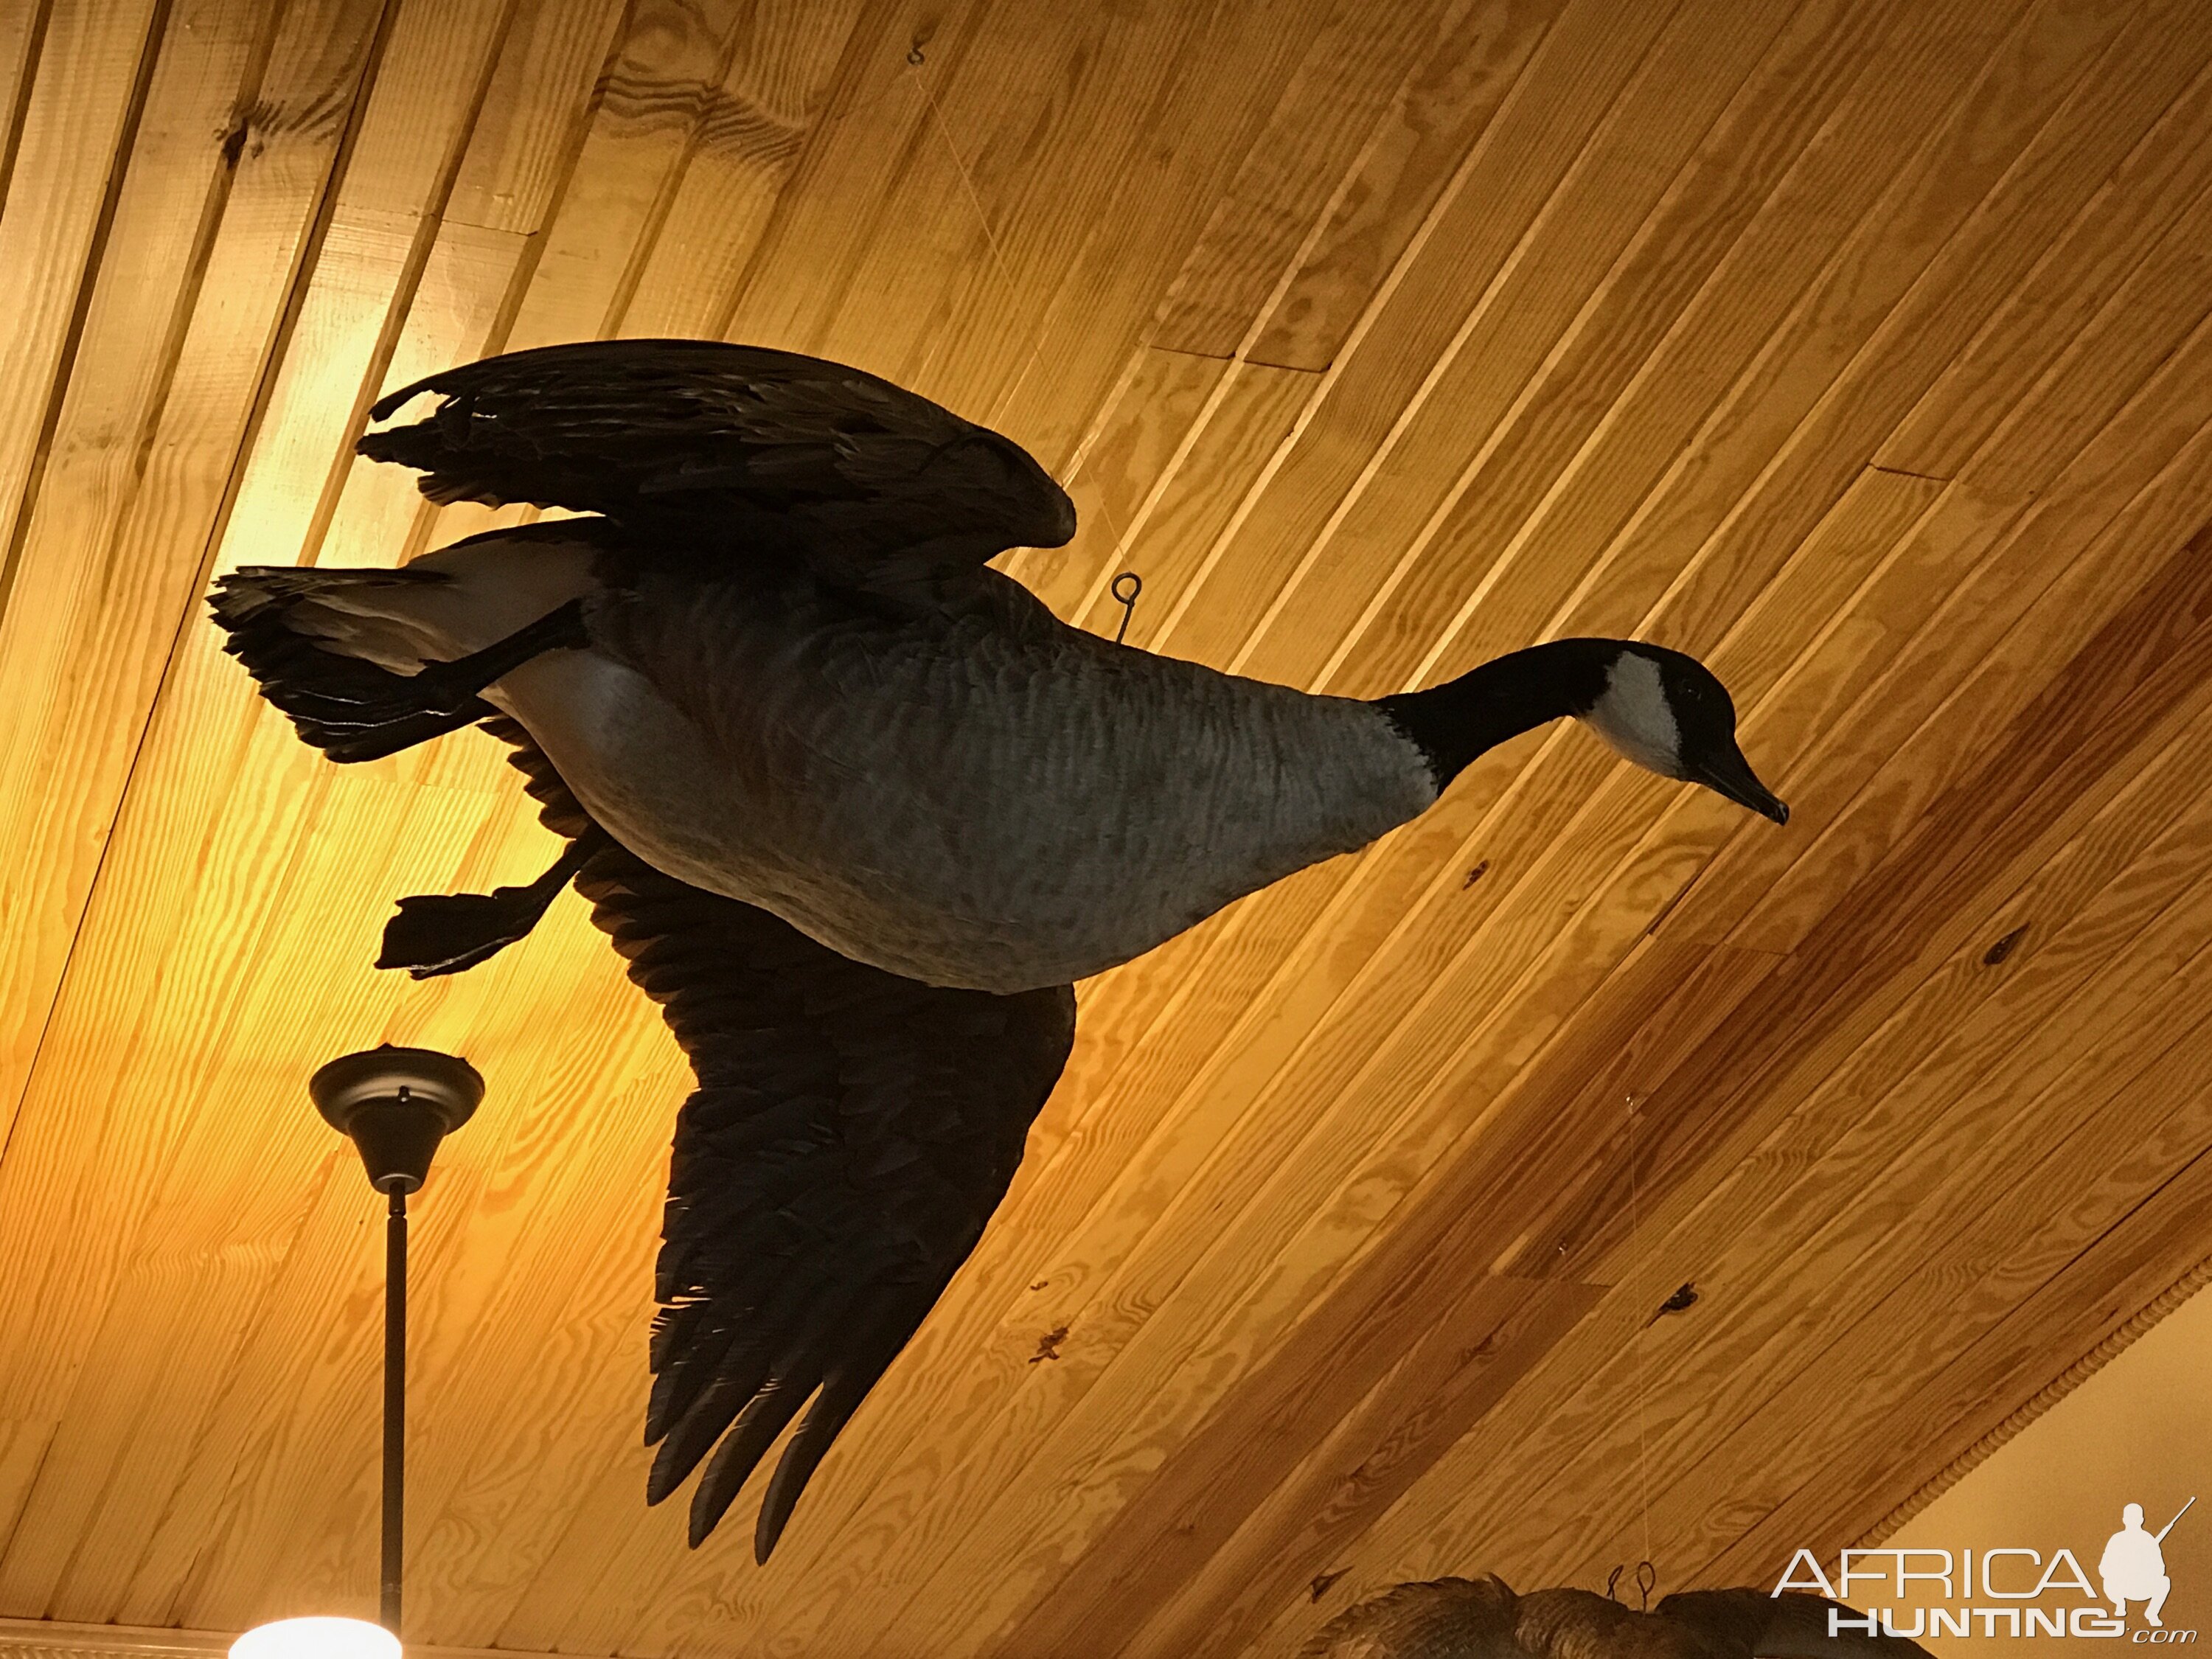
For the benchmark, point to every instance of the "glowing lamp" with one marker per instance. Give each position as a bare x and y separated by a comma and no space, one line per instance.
317,1638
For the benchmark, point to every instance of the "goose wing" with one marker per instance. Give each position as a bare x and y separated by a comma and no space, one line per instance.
740,444
851,1133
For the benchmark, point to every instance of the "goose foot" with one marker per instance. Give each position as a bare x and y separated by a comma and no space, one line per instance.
445,933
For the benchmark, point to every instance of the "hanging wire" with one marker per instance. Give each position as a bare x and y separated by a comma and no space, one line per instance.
1646,1574
915,59
1643,1381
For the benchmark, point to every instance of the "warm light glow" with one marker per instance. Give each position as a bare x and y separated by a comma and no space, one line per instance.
317,1638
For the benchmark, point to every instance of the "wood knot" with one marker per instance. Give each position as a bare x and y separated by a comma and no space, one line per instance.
250,124
1685,1296
1048,1344
2004,947
1475,875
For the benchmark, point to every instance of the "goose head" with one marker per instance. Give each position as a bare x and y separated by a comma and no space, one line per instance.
1670,714
1663,710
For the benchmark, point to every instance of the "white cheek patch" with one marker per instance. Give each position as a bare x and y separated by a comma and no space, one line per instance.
1632,716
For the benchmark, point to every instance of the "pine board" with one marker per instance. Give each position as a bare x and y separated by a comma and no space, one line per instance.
1860,347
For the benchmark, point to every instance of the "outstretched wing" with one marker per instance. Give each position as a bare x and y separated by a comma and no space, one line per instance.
738,441
1452,1616
850,1134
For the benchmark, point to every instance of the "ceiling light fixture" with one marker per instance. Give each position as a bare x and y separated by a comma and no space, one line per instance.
395,1105
317,1638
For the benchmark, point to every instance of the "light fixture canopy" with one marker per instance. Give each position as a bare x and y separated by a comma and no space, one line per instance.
317,1638
396,1105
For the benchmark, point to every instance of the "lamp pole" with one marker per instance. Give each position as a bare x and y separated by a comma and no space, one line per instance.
395,1406
396,1105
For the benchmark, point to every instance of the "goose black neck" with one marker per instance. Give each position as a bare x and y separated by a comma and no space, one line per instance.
1453,723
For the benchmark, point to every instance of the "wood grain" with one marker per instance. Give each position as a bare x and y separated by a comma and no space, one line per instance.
1860,347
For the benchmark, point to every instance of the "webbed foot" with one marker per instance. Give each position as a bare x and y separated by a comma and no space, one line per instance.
445,933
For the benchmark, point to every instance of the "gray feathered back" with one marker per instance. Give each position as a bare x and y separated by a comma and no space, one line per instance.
1483,1619
1441,1619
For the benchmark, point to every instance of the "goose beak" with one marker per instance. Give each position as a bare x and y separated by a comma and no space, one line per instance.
1731,776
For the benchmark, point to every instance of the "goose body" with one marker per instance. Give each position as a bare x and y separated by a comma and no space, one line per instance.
991,800
856,810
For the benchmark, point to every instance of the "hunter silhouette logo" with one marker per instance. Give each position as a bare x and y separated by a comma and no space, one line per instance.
2133,1566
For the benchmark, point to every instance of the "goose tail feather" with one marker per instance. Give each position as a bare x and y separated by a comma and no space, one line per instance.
298,632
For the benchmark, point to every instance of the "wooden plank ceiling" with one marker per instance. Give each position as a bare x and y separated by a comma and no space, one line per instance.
1860,346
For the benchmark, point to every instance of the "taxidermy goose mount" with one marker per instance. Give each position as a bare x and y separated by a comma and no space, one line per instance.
857,808
1482,1619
